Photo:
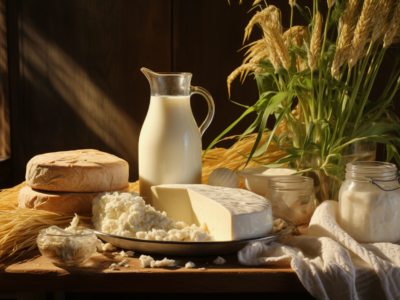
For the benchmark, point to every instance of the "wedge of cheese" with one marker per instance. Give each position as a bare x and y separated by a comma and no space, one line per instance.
230,214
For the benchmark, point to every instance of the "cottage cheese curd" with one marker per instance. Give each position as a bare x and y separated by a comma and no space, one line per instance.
145,260
127,215
190,265
219,261
162,263
71,246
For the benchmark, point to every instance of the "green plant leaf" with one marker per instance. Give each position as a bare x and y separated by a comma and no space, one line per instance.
265,146
265,83
308,140
282,161
245,106
334,171
390,152
304,14
283,72
275,101
379,129
248,111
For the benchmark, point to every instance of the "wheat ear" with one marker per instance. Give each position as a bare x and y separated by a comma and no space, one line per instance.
254,50
315,44
362,32
298,33
381,20
348,22
331,3
241,69
292,3
393,28
260,17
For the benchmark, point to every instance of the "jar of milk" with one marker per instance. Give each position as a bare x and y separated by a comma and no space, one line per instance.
369,202
292,198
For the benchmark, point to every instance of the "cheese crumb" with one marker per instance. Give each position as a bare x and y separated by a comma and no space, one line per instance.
123,262
145,260
126,266
122,253
99,245
190,265
202,268
128,215
108,247
219,261
130,253
162,263
113,267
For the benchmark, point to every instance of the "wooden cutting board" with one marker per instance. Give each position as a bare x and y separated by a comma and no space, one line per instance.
33,272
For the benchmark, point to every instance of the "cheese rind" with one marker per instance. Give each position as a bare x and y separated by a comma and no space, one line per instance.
77,171
230,214
62,203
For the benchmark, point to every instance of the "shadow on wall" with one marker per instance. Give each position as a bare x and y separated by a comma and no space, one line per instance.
4,111
67,79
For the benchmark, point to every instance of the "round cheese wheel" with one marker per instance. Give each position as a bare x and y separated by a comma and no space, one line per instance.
58,202
77,171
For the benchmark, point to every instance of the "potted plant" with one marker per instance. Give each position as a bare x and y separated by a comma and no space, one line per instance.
317,80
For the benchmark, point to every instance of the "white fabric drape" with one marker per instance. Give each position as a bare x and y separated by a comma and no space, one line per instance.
330,263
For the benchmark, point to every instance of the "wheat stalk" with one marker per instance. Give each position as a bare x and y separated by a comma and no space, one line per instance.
362,32
348,23
393,28
315,44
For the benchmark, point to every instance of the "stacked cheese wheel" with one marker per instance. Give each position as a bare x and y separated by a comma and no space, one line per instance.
67,182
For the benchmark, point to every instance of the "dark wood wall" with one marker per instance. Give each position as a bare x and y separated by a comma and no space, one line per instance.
74,69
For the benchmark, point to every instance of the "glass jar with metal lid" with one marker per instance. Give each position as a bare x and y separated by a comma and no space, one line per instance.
292,198
369,202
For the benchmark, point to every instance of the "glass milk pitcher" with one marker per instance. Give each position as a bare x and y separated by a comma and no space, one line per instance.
170,149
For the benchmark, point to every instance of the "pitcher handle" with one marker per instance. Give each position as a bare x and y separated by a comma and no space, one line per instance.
211,106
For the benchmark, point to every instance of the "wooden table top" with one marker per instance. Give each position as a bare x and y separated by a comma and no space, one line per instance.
33,272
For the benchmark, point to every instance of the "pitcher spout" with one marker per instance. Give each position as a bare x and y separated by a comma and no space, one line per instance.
169,83
148,73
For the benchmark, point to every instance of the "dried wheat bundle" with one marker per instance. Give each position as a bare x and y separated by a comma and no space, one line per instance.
9,197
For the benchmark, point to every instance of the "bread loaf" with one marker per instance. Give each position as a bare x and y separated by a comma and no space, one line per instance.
77,171
58,202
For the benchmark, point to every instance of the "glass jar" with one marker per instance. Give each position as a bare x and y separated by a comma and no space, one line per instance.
369,202
292,198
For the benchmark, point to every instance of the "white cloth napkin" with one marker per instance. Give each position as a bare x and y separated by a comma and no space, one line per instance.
330,263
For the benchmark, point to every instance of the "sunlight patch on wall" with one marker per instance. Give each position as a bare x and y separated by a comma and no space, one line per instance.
75,87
